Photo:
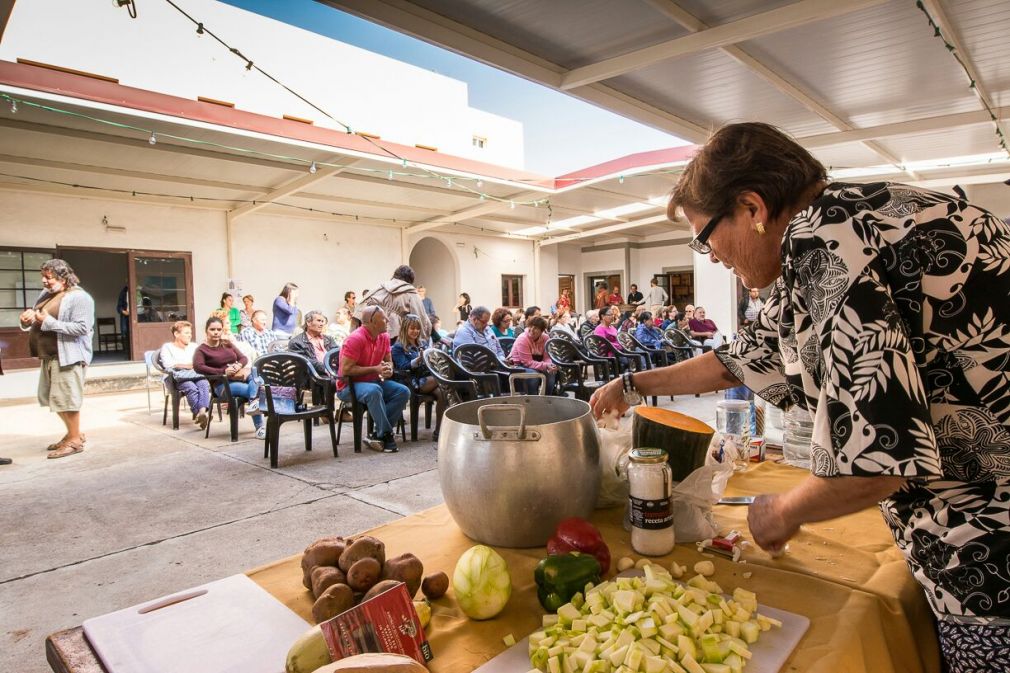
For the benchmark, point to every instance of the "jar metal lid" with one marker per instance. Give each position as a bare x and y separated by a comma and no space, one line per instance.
648,455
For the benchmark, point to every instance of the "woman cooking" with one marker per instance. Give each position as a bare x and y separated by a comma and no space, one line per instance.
882,323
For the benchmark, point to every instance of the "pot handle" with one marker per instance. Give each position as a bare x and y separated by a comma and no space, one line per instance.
494,408
527,375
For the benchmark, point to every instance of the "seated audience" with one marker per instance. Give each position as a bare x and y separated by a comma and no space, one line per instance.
518,318
340,327
245,315
366,361
477,331
219,357
312,342
530,354
684,320
257,335
530,312
705,330
615,299
635,298
627,322
562,321
177,360
607,330
750,307
501,323
587,327
407,358
350,302
669,316
648,334
437,333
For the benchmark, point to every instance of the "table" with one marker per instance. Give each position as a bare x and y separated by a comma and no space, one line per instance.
866,611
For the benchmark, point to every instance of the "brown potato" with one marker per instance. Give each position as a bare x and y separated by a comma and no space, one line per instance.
364,547
364,574
435,586
336,599
323,552
323,577
380,587
405,568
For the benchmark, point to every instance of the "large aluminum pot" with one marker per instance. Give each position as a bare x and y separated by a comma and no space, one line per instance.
511,468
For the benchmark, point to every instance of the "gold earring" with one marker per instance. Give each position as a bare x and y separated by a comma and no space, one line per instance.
760,228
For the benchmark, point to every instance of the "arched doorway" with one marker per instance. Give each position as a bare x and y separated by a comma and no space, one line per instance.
435,267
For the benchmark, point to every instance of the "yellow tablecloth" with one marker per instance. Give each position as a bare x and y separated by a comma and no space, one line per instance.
867,613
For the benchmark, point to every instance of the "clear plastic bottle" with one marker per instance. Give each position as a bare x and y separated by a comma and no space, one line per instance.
796,437
733,422
651,487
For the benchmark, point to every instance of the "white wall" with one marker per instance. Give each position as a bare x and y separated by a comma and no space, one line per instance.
993,197
715,289
160,51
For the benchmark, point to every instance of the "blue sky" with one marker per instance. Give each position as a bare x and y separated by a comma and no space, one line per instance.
562,134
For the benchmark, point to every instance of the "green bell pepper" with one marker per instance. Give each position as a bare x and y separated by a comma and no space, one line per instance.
559,578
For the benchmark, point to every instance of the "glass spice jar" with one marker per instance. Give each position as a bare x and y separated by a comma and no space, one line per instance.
651,511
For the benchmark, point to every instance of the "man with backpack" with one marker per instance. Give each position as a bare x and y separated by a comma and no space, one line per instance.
398,297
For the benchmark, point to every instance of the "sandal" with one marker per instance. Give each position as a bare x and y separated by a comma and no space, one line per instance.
56,445
67,449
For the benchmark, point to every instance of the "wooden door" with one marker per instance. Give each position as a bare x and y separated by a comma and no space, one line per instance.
161,286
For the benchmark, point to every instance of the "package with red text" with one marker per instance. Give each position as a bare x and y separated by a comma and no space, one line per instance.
384,623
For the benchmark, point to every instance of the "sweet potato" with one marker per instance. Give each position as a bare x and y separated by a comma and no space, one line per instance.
323,577
336,599
364,547
405,568
435,586
384,585
364,574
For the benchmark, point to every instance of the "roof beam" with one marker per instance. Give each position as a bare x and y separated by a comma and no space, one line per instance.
755,65
655,219
290,187
6,7
939,14
911,127
406,17
773,21
477,210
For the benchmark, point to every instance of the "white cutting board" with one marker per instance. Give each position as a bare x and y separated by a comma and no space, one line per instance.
231,625
770,651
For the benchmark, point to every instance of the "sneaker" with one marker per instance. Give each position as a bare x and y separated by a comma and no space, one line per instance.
202,419
261,432
347,416
389,444
374,444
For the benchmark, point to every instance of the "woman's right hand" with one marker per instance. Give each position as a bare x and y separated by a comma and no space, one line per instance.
609,399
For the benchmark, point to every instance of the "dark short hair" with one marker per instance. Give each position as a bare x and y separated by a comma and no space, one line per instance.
634,286
59,268
538,322
225,295
211,320
645,315
748,157
286,290
347,295
404,273
530,310
499,315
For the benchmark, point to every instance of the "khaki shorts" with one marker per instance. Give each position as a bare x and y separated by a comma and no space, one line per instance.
61,388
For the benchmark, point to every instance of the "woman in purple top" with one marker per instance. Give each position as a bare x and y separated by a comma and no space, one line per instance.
529,352
286,310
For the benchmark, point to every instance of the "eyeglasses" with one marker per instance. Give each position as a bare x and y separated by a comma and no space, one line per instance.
700,242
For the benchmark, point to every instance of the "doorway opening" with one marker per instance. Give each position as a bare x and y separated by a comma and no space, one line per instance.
105,276
601,279
435,268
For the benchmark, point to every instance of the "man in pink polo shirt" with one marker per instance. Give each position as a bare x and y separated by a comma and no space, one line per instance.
366,360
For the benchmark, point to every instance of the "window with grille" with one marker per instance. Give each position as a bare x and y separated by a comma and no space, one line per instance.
479,142
20,282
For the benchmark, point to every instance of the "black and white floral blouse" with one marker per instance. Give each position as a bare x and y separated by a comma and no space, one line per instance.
890,322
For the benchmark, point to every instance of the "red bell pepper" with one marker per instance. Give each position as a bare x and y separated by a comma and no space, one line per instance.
575,534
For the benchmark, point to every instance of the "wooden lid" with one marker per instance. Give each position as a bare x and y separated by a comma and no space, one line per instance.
673,419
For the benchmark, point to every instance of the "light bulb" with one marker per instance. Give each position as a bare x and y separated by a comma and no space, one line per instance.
449,181
312,168
621,179
14,106
390,176
482,197
153,139
480,183
512,205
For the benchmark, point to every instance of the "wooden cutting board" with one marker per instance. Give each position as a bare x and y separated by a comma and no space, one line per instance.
227,626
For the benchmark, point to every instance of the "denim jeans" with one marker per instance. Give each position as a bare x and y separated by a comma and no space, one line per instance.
250,390
385,400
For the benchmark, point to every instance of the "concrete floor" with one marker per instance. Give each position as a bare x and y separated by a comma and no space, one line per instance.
146,511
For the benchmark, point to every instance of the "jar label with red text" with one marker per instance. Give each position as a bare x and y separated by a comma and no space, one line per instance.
651,514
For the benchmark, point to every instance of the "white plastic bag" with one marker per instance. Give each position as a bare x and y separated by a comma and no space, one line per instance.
615,445
693,499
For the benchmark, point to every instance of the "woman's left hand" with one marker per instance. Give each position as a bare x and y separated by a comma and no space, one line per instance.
769,524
